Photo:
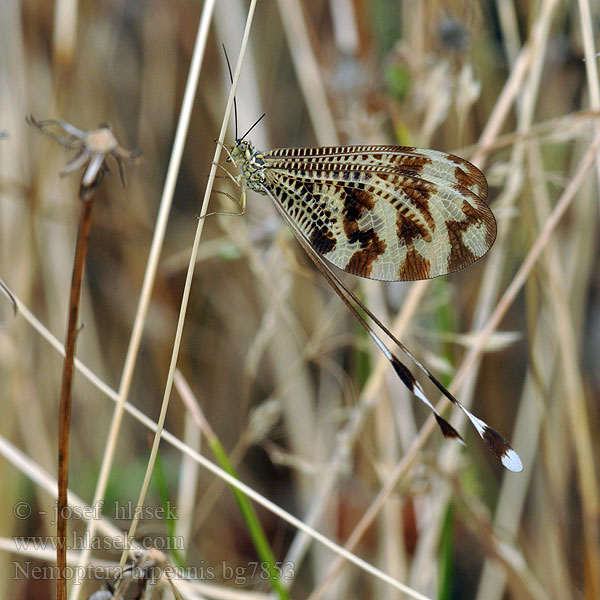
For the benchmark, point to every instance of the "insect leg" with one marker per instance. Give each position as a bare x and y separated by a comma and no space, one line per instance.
241,201
233,178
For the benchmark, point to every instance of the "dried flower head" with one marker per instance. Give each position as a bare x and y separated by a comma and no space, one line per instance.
93,148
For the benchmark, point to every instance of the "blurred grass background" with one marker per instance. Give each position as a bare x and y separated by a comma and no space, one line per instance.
286,378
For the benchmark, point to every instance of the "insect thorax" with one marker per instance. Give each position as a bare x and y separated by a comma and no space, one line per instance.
245,155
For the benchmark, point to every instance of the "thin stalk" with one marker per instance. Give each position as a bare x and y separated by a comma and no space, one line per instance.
149,278
187,287
64,419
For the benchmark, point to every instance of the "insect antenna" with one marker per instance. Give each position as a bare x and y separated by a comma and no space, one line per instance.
253,126
235,114
501,449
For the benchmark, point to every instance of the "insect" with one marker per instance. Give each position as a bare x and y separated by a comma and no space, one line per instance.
390,213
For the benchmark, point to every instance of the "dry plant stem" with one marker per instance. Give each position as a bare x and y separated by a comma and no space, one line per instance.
308,71
566,127
188,285
65,30
503,105
64,419
5,289
189,470
591,68
476,518
510,29
150,275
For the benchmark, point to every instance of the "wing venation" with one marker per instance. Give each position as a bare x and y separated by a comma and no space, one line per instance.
385,212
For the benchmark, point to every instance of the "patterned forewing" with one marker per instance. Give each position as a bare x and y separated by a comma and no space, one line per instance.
385,212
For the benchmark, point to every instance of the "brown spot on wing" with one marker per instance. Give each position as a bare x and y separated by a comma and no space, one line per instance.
470,177
463,179
412,162
460,256
480,212
361,262
356,202
408,229
414,266
418,191
322,240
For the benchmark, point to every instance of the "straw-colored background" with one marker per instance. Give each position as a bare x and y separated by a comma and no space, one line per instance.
284,375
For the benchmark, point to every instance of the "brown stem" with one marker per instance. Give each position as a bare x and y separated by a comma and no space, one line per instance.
86,195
